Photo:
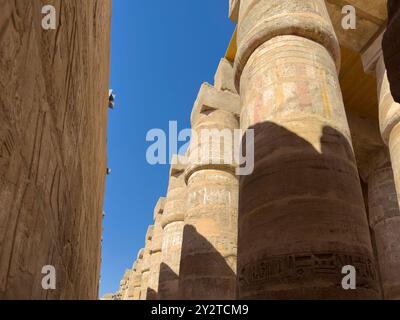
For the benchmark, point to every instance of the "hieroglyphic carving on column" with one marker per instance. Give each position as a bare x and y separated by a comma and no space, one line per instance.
173,223
301,213
208,263
156,250
146,264
53,127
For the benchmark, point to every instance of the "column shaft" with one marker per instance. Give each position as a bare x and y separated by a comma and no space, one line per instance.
301,213
389,120
384,218
173,223
156,254
146,264
208,265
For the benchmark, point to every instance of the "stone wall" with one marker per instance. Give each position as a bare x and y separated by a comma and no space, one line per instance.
53,122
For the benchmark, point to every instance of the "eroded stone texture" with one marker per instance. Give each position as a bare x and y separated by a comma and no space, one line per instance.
53,123
223,79
173,223
156,251
123,286
137,278
208,263
144,289
234,10
389,120
301,213
384,219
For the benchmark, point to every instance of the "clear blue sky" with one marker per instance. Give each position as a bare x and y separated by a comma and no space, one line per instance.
161,52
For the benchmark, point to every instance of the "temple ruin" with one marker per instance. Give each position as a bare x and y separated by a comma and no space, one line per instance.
322,195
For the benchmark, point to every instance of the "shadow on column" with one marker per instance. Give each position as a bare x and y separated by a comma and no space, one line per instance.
168,286
391,48
302,218
151,294
204,273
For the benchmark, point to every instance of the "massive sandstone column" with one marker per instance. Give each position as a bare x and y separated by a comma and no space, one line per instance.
389,119
173,223
130,292
146,264
384,219
301,213
124,285
208,263
384,184
137,278
53,125
156,251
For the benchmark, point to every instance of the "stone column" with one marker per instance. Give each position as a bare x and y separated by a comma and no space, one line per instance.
123,285
146,264
384,219
301,213
156,247
137,278
384,182
173,223
134,282
389,111
208,264
389,120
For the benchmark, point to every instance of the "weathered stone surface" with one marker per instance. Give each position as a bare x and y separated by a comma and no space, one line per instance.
145,269
296,208
384,219
137,278
370,18
234,10
173,223
223,79
53,123
123,286
367,140
389,120
208,262
259,23
156,250
210,99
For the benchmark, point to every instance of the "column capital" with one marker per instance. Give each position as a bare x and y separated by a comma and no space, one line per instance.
159,208
234,10
224,78
261,21
210,99
178,165
371,55
149,233
140,255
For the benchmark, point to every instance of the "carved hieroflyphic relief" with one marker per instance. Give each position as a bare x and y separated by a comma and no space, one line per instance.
284,269
53,115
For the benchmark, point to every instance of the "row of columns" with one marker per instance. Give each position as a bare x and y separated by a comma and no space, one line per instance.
190,251
286,230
